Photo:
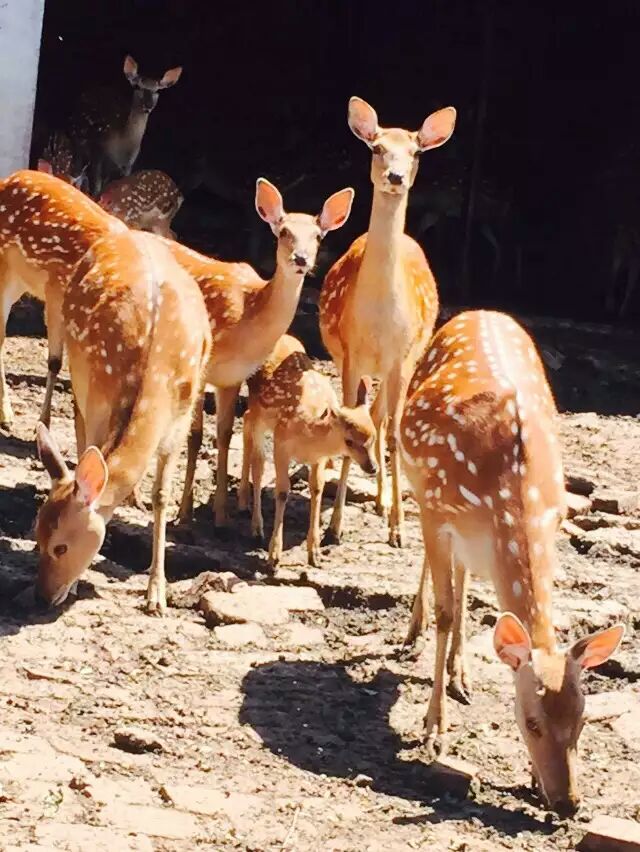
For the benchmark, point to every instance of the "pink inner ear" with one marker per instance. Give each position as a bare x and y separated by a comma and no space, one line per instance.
45,166
437,128
363,119
269,202
91,476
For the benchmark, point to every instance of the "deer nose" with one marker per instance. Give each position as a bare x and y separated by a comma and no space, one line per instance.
566,807
300,259
394,178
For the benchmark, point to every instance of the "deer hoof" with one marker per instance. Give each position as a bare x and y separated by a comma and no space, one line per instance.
396,537
437,744
459,690
313,558
331,536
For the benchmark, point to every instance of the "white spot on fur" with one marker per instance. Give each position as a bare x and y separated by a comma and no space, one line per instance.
469,495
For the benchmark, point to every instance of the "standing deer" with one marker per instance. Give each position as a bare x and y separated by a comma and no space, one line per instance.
138,341
480,445
299,406
111,128
379,301
248,315
147,200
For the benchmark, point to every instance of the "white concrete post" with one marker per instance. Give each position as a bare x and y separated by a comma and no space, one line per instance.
20,33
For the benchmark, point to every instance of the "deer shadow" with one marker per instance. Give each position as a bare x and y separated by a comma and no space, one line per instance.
318,718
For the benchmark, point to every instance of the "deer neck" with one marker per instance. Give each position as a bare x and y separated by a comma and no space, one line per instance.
384,239
530,598
274,308
136,125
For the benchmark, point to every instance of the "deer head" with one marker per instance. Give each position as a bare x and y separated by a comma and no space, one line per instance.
62,161
146,89
550,702
299,234
69,529
394,164
358,429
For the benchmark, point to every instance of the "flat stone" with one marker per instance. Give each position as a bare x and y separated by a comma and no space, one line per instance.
262,604
454,775
186,594
579,483
240,635
613,539
137,740
585,420
611,834
36,766
81,838
104,790
577,504
610,705
154,821
627,727
302,635
615,502
208,801
569,611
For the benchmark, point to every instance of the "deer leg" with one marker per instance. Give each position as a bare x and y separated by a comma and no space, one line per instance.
379,417
420,610
396,391
459,680
193,448
257,471
10,294
225,411
281,459
55,340
632,280
244,489
81,436
156,590
350,381
440,561
316,487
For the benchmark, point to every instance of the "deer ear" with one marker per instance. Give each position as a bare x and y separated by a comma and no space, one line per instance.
91,477
363,120
596,649
336,209
170,77
269,203
364,389
130,69
512,641
50,455
437,128
45,166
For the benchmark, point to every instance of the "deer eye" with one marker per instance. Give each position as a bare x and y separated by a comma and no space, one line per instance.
377,150
286,233
350,442
533,727
60,550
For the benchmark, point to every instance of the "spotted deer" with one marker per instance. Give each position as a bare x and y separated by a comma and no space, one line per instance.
379,301
480,447
60,158
138,341
110,127
146,200
248,315
296,403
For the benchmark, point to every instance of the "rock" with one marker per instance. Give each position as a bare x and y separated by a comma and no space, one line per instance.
610,834
588,614
585,420
262,604
454,775
302,635
600,520
362,780
208,801
552,357
577,504
615,502
609,540
186,594
610,705
155,821
579,483
137,740
80,838
627,727
240,635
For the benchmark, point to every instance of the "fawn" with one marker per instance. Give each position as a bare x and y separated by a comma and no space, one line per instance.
248,315
480,446
379,301
138,341
110,128
147,200
299,406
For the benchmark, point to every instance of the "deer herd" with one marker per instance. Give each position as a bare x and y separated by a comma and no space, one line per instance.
147,322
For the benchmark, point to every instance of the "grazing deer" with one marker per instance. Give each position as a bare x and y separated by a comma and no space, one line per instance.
111,128
147,200
138,341
379,302
60,158
248,315
299,406
480,445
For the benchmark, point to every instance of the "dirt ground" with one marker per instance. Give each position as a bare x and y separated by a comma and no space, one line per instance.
303,734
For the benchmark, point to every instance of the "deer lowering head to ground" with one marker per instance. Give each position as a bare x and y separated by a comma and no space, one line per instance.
379,301
147,200
110,127
480,446
299,406
248,315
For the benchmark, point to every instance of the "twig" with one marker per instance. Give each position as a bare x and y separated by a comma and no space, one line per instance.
292,829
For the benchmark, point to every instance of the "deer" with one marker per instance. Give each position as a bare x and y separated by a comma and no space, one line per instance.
111,128
299,406
248,315
138,341
480,447
379,301
60,158
147,200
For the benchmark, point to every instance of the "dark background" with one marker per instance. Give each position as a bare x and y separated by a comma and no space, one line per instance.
265,90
